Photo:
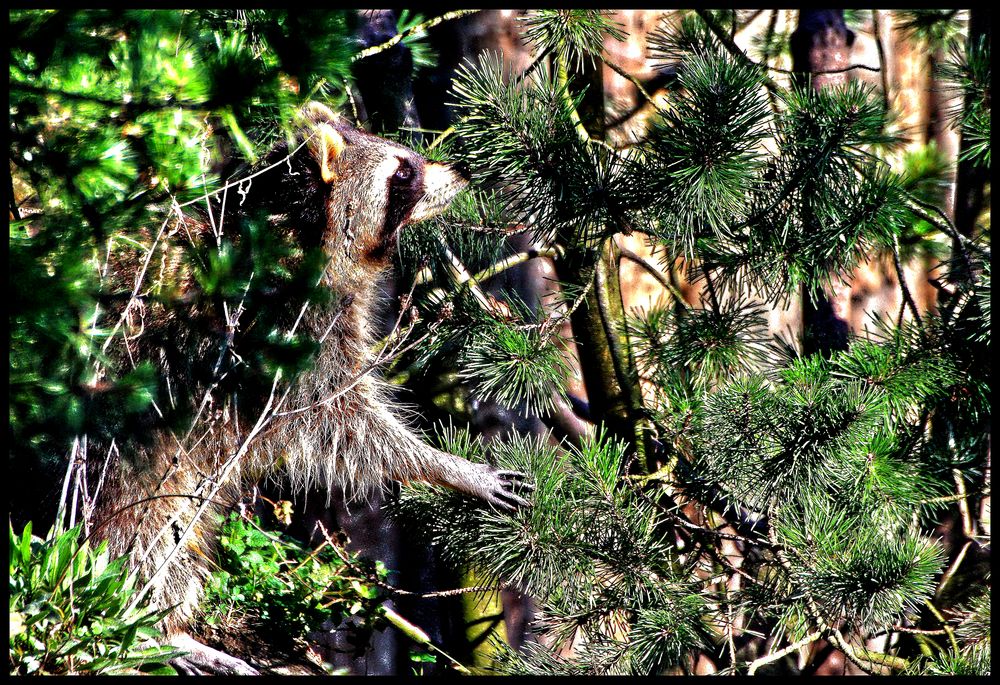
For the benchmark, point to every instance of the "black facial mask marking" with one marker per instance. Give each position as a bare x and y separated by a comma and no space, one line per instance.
405,188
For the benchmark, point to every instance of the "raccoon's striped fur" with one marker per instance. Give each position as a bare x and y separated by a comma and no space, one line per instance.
349,193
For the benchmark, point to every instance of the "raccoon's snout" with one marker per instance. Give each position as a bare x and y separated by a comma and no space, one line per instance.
462,169
441,184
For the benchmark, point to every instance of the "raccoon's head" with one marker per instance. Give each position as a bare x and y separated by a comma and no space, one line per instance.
352,192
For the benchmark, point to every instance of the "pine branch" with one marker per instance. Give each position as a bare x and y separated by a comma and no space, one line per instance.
514,260
862,658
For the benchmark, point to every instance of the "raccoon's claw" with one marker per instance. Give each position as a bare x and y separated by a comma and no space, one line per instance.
503,495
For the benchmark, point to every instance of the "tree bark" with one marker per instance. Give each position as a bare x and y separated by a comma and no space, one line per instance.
971,180
821,43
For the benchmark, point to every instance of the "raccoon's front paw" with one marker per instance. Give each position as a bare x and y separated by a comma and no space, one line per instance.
501,488
203,660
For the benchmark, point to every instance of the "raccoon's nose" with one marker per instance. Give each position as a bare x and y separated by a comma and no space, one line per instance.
462,169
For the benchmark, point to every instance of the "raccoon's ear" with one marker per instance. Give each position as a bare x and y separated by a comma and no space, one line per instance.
317,112
327,144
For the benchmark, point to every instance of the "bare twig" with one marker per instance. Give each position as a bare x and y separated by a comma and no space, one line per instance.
635,82
219,479
907,298
239,182
774,656
421,27
883,70
652,270
944,625
513,260
735,50
952,569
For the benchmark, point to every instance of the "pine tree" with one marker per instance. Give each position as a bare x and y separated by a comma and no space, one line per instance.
745,499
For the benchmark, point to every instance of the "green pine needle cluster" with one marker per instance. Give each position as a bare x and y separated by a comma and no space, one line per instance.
590,550
575,36
512,364
854,569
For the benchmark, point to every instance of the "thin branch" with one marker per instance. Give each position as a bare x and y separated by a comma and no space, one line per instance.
950,573
968,528
947,227
132,105
388,587
883,71
774,656
220,478
711,289
907,298
635,82
239,182
918,631
513,260
417,635
735,50
652,270
461,276
421,27
444,134
562,81
985,492
944,624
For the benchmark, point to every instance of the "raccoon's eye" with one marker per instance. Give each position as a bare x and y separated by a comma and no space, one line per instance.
404,173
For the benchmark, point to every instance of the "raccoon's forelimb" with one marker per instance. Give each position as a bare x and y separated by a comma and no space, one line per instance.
373,445
411,459
203,660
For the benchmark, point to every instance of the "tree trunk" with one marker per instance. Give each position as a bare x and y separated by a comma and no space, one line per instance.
822,43
971,180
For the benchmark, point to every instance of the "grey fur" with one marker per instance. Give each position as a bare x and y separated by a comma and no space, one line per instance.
336,427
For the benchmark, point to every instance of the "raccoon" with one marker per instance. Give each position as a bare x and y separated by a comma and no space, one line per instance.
348,193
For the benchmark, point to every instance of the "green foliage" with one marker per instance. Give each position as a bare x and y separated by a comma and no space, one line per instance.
826,202
968,72
424,56
271,581
829,478
517,134
833,472
935,26
924,176
70,610
705,153
574,35
973,657
590,549
116,115
675,43
974,661
512,364
854,568
472,229
704,346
